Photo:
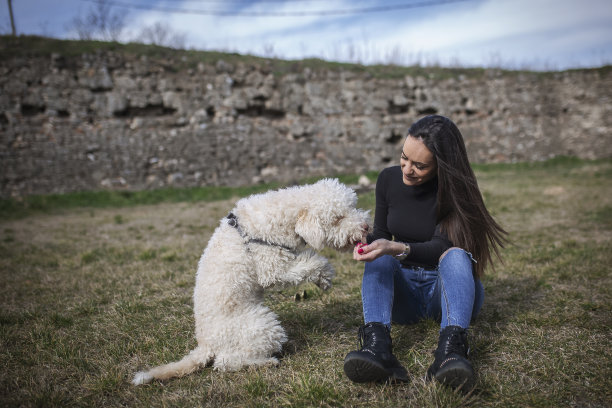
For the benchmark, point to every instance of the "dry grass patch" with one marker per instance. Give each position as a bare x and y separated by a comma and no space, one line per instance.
92,295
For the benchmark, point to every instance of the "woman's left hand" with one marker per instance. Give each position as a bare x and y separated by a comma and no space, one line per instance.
378,248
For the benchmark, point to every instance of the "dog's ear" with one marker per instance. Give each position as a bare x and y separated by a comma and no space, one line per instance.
310,230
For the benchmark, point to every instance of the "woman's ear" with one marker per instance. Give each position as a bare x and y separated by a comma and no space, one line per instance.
309,229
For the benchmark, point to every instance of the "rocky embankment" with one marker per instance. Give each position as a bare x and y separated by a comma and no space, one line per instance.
123,121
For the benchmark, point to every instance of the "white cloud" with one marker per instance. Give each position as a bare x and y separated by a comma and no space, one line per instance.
557,33
514,29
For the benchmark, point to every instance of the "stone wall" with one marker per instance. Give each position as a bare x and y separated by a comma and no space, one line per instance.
119,121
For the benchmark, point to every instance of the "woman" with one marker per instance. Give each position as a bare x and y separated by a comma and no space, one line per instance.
432,240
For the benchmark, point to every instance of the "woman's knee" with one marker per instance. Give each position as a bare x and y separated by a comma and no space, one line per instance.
457,261
453,252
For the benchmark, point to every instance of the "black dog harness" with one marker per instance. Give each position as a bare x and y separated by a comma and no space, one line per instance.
233,221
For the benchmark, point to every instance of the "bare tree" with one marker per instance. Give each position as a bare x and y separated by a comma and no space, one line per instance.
268,50
162,34
100,23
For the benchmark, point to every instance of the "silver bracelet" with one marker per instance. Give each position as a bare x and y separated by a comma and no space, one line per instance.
403,255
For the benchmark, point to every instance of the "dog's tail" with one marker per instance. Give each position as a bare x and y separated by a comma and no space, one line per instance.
188,364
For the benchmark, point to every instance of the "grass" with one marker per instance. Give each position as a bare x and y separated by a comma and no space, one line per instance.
93,293
24,206
13,208
31,45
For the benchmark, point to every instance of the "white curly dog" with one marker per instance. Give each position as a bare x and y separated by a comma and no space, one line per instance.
267,239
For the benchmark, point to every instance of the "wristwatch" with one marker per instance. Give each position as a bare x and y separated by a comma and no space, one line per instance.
403,255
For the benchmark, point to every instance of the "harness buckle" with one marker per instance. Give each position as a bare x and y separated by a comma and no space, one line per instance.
232,220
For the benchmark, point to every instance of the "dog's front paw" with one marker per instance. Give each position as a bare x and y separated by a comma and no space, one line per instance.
324,280
324,283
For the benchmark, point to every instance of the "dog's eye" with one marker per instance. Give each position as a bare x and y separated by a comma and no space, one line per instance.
337,221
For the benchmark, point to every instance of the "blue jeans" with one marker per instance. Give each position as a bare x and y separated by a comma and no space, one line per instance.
450,293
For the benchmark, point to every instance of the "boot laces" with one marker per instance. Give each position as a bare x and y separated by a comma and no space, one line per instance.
368,339
456,345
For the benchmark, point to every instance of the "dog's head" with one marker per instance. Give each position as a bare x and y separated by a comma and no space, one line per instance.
330,217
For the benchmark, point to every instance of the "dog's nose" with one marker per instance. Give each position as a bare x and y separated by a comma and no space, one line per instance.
365,227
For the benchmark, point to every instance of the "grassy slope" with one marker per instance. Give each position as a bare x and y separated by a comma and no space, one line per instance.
92,294
23,46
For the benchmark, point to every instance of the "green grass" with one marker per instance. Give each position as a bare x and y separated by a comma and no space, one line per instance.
11,208
29,45
185,59
17,208
33,204
93,294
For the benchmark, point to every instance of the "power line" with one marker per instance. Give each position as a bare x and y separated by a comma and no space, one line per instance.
237,2
330,12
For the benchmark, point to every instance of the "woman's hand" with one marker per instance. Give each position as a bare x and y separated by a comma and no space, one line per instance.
378,248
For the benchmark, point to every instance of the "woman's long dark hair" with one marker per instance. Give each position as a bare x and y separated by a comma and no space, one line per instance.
462,214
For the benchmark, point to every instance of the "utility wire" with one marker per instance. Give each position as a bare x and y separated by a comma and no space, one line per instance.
236,2
239,2
330,12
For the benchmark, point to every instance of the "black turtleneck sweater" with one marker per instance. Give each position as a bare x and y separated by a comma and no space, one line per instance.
408,214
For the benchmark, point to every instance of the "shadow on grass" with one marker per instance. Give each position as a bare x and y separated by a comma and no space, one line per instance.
314,326
336,324
506,301
507,298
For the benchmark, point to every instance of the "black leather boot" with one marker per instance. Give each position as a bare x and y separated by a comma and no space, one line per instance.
451,365
375,361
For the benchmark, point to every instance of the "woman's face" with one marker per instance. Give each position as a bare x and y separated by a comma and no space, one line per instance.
417,162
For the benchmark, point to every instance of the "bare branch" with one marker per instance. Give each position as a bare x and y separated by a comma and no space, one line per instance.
100,23
162,34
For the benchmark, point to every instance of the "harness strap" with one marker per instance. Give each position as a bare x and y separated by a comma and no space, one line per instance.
232,220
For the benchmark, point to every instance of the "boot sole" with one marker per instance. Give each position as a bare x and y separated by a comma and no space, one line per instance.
361,370
456,376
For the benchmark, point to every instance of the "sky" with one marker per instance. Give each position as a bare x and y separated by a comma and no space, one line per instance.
511,34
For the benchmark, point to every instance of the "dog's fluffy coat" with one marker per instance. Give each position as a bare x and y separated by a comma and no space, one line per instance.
271,243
